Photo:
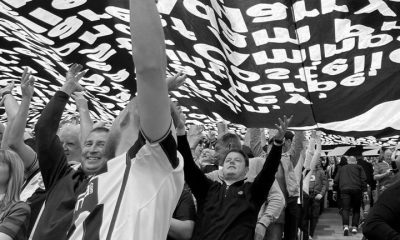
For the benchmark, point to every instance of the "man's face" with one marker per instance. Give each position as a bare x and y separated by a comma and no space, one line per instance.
93,152
234,167
220,152
69,138
387,155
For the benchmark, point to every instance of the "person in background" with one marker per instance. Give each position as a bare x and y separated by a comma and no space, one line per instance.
206,160
382,222
183,218
351,181
14,214
383,173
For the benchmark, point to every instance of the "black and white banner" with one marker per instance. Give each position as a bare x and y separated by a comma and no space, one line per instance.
334,64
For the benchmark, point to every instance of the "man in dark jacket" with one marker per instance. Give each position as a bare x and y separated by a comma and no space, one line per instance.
351,181
382,222
229,210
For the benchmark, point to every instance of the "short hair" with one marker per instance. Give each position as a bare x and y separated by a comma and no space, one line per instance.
230,139
100,129
16,172
247,150
289,135
246,158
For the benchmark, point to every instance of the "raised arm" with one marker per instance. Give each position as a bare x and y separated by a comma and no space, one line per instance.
150,62
11,107
194,177
86,123
296,147
264,180
17,128
52,160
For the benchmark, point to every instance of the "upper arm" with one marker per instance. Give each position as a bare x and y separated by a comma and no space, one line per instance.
16,220
297,146
4,236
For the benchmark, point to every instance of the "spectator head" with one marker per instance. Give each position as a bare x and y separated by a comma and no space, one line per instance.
387,155
228,141
352,160
123,132
236,165
69,137
247,150
288,141
343,161
93,157
11,176
207,157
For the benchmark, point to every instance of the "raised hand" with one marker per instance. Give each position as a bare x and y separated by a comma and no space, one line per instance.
282,127
27,84
74,74
79,98
176,81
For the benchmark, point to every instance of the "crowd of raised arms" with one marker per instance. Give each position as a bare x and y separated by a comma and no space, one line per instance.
149,176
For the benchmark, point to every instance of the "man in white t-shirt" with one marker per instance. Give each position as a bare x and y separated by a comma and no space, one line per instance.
135,194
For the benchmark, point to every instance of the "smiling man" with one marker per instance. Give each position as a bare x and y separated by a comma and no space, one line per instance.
62,182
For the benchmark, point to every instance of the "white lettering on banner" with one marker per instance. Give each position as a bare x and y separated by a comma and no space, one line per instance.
233,91
305,73
99,66
207,76
359,64
377,5
296,98
336,67
25,51
234,16
66,28
245,75
279,56
387,26
125,43
264,12
261,109
166,6
332,50
300,11
198,62
207,85
369,41
92,16
180,27
101,53
102,30
120,13
282,36
289,87
31,25
233,57
266,99
236,39
344,29
17,3
93,80
194,6
394,56
266,88
46,16
328,6
123,28
316,86
277,73
119,76
376,63
66,49
226,102
353,80
6,62
67,4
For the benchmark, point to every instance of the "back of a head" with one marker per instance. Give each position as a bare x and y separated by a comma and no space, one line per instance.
230,140
352,160
289,135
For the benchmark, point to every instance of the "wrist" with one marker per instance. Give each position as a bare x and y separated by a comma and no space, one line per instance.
67,89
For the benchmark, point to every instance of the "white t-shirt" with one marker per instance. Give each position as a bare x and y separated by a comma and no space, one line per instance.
134,198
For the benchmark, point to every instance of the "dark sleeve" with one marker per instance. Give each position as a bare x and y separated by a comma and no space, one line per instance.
324,182
16,221
363,176
336,181
383,216
185,210
194,177
264,180
52,160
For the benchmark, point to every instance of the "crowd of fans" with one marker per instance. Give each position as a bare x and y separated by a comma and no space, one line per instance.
146,176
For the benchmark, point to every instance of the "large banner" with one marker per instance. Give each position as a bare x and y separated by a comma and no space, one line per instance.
334,64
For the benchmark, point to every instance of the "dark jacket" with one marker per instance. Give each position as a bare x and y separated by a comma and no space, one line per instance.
382,222
351,176
227,212
369,172
62,182
320,184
